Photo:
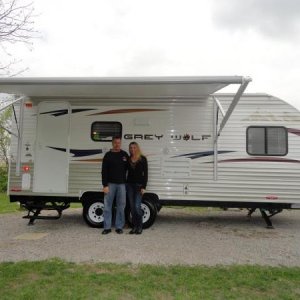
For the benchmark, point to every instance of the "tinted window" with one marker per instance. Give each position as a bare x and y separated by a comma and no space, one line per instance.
267,141
105,131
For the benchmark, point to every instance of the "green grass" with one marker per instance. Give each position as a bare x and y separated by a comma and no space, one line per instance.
75,205
56,279
6,206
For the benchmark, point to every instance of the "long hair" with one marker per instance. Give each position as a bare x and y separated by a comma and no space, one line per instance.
139,151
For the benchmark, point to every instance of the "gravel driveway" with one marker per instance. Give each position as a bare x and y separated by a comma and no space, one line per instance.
179,236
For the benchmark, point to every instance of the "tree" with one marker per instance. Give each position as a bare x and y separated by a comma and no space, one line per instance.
16,26
5,120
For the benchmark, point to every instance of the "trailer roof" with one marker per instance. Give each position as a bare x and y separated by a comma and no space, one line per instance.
118,87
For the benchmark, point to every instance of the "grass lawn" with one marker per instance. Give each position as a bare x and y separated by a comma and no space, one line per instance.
6,206
56,279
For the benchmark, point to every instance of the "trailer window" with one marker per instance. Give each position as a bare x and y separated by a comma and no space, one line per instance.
267,141
105,131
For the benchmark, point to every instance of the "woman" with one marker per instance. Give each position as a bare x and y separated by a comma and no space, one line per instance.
136,184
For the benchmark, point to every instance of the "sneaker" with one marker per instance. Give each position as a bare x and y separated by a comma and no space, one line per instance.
119,231
106,231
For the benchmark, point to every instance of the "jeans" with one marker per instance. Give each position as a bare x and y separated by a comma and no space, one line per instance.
135,201
119,191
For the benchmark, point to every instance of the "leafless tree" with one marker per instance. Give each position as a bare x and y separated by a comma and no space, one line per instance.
16,26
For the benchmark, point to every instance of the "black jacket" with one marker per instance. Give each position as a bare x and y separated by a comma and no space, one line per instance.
114,167
138,172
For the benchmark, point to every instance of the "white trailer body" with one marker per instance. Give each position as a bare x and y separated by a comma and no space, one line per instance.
226,150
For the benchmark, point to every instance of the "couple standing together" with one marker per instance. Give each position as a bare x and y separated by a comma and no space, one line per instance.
120,174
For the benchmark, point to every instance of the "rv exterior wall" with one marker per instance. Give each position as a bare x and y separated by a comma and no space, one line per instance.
177,138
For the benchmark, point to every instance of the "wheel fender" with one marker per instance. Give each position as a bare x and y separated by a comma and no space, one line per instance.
154,199
88,197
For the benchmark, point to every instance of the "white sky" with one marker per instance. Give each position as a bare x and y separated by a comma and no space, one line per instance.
257,38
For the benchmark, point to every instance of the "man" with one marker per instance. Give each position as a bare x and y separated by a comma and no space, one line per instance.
114,167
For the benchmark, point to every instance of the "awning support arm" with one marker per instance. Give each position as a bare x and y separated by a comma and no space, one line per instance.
11,103
16,120
216,109
20,136
219,105
234,102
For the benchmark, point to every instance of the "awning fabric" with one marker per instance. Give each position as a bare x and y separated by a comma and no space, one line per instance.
117,87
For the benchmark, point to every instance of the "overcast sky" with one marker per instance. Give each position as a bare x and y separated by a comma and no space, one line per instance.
257,38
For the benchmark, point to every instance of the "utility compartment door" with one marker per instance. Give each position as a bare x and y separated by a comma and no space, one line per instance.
51,163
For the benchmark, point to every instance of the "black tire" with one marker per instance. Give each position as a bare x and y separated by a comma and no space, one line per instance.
93,212
149,213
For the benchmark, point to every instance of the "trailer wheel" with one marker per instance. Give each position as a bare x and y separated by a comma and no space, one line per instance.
149,213
93,213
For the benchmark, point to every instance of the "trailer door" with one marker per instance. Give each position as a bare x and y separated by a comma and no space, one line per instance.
51,165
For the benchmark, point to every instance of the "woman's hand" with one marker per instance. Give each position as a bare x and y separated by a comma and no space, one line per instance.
143,191
106,190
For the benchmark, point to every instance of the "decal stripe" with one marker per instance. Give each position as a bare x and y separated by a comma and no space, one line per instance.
195,155
59,149
57,113
294,131
88,160
78,153
261,159
74,111
125,111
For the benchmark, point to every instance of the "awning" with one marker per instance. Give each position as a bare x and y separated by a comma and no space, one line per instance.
126,88
117,87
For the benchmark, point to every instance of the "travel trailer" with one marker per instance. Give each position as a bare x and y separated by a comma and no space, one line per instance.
203,148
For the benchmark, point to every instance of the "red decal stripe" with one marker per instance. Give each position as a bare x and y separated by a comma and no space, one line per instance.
272,197
261,159
294,131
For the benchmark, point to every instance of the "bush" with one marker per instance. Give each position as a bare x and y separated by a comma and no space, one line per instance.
3,179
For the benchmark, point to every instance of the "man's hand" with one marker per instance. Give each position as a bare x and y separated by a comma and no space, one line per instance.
106,190
143,191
